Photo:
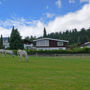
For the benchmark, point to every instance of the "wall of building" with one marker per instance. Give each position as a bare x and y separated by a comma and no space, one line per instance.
5,43
52,43
51,48
49,43
88,46
28,46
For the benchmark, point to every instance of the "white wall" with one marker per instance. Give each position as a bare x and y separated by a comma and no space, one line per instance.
88,46
62,48
28,46
6,43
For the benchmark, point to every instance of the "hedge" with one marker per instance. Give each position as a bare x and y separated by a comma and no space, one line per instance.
73,51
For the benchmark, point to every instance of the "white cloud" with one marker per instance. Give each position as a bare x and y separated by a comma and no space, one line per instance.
36,29
47,7
33,28
71,1
49,15
78,19
14,22
81,1
5,32
58,3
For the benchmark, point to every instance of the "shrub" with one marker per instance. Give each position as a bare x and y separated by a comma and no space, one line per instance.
15,52
73,51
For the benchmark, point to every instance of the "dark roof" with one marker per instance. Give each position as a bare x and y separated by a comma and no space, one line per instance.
27,42
51,39
87,43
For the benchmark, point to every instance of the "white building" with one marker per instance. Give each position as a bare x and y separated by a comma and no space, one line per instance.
50,44
28,44
5,42
87,44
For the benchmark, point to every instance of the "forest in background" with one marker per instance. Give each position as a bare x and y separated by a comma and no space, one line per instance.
75,37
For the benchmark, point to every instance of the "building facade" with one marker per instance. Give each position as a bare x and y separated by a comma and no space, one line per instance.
28,44
5,42
87,44
50,44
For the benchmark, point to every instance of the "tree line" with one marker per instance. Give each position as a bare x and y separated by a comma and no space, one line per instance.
74,37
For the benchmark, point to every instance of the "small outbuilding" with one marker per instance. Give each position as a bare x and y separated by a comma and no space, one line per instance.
5,42
28,44
87,44
50,44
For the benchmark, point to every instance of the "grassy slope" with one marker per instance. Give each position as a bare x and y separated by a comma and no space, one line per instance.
45,73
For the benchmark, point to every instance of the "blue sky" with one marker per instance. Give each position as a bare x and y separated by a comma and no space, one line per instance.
31,15
35,9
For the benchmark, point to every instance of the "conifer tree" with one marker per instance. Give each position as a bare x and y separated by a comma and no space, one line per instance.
15,40
44,33
1,42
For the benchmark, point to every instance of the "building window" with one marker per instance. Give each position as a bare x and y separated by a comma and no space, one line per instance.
59,43
42,43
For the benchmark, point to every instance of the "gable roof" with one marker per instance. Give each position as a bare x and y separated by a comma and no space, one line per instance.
51,39
87,43
27,42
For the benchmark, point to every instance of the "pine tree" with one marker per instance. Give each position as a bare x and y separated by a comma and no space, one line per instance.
15,40
1,42
44,33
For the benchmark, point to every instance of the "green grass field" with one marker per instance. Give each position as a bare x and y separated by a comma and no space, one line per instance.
45,73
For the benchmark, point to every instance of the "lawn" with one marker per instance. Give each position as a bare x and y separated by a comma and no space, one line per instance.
45,73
